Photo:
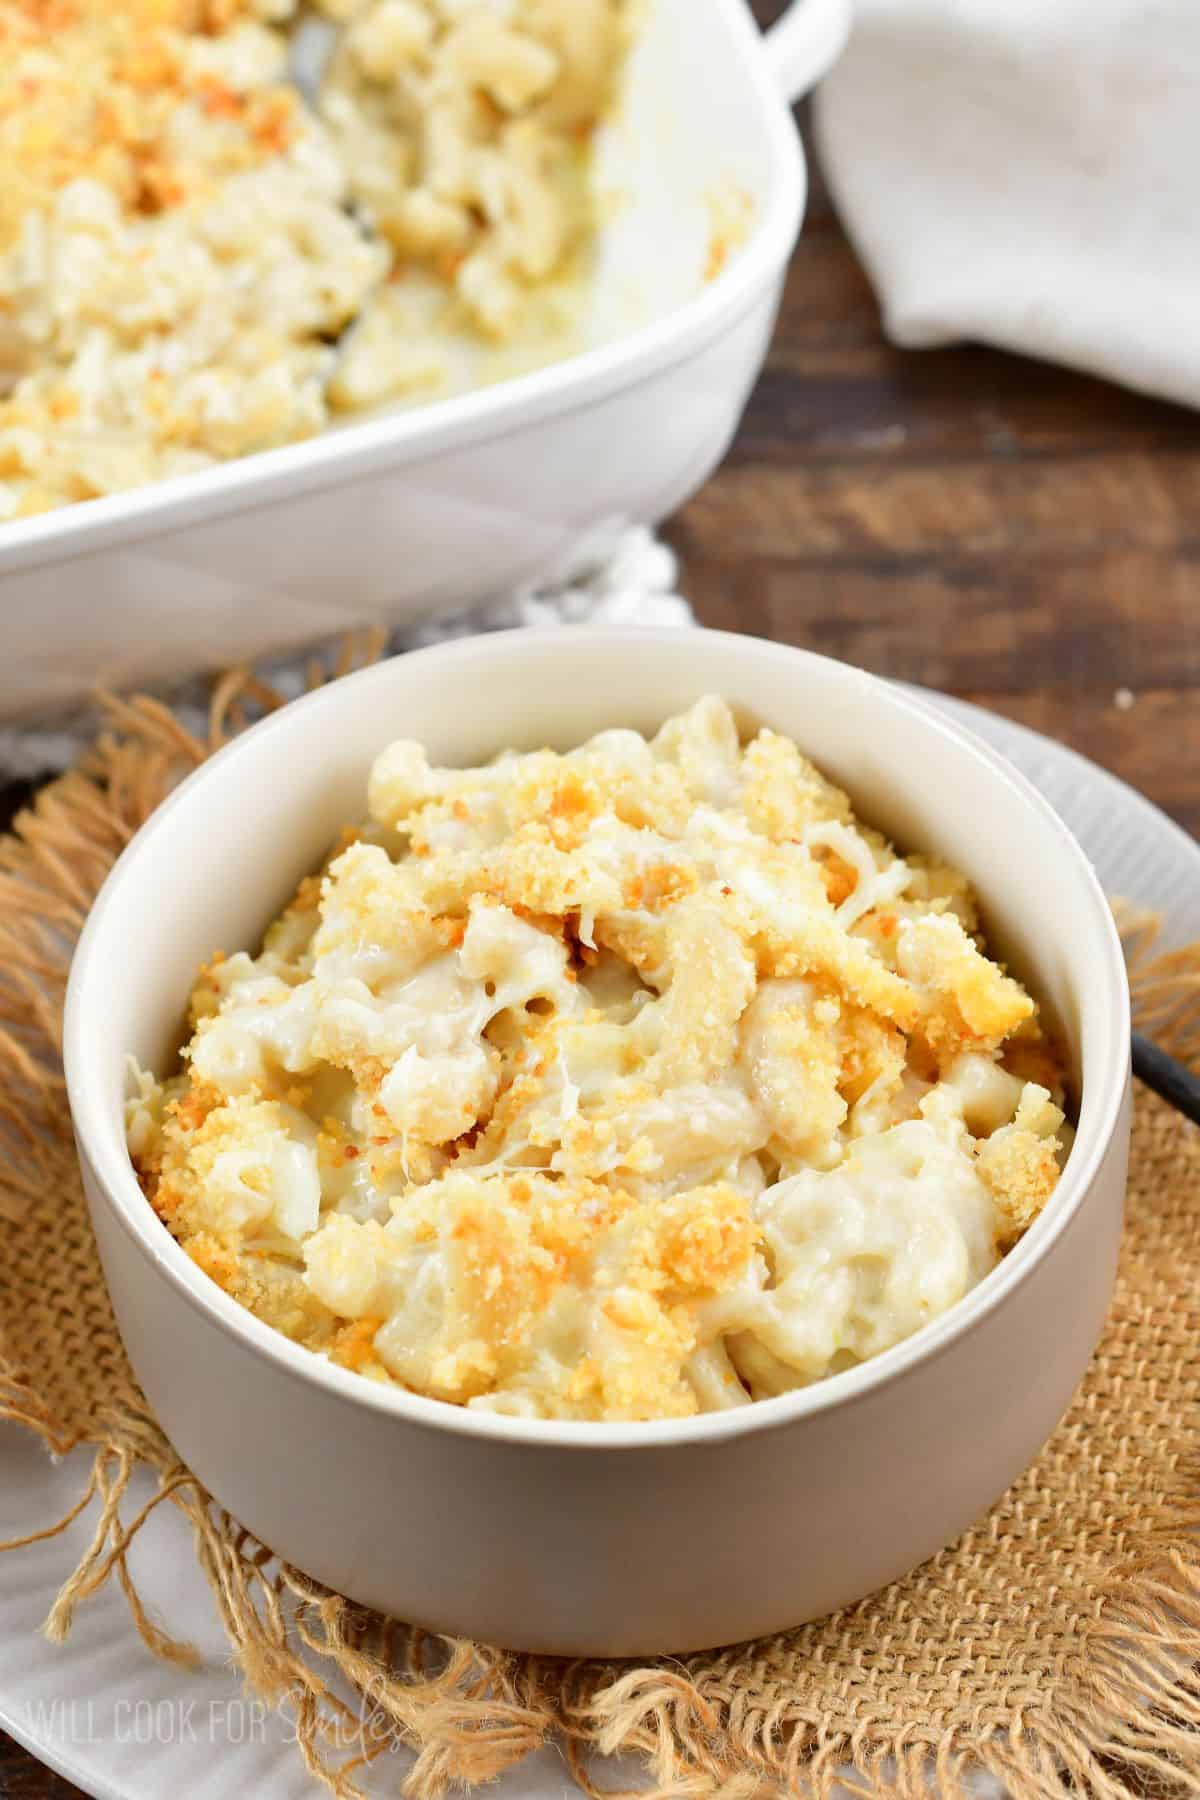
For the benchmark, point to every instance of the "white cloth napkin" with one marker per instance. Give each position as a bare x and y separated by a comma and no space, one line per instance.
1027,173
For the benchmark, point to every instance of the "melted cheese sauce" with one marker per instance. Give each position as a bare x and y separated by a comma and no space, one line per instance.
618,1084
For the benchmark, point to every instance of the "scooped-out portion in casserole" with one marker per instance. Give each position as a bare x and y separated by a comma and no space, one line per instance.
621,1084
196,262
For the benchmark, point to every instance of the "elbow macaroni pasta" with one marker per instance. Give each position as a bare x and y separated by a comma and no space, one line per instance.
618,1084
196,264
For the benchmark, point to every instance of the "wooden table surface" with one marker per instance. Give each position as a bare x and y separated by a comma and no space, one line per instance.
1012,533
1023,537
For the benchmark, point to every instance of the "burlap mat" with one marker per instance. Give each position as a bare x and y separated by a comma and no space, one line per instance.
1052,1646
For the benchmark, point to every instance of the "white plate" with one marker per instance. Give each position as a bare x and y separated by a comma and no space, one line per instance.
123,1725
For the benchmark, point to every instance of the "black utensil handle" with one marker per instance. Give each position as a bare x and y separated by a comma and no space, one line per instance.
1169,1079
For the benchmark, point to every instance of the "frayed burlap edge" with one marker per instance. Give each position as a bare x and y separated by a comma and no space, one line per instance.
1125,1718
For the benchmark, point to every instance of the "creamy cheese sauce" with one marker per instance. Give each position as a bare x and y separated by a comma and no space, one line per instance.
618,1084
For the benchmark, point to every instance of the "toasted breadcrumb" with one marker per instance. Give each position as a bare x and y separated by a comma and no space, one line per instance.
197,263
1019,1162
613,1084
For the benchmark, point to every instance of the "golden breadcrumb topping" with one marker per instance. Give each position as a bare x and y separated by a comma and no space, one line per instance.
618,1084
198,261
88,90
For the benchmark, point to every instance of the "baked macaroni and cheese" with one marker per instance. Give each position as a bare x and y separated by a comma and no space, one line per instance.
621,1084
196,263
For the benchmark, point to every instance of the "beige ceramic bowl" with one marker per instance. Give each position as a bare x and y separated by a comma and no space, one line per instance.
577,1538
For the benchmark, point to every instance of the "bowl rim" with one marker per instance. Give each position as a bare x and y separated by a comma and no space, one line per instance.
102,1148
335,456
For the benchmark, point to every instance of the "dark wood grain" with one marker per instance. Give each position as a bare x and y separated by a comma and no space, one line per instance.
1016,534
22,1777
1019,535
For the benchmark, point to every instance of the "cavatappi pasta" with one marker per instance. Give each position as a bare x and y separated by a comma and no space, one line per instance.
196,263
619,1084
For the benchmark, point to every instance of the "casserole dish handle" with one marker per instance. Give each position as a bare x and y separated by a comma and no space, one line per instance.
806,42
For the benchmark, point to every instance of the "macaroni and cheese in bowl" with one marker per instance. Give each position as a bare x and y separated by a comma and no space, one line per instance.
625,1083
481,1478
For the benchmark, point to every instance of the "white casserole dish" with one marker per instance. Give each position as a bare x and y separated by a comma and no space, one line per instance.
428,508
588,1538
